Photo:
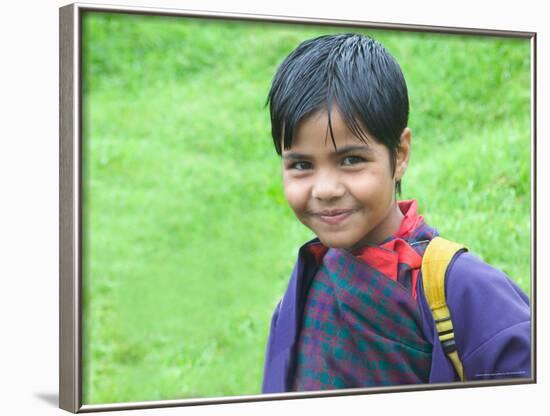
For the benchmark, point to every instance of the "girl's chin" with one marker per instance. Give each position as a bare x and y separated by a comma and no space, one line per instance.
336,243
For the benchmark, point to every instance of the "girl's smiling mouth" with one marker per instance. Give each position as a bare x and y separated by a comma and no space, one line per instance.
333,217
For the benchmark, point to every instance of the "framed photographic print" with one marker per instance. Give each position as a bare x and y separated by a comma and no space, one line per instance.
213,249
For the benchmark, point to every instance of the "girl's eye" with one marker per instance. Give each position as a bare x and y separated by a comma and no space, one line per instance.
300,165
352,160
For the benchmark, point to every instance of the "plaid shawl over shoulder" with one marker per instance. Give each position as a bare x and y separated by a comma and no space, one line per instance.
362,328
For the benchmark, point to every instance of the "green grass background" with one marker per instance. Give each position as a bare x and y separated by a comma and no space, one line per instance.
188,240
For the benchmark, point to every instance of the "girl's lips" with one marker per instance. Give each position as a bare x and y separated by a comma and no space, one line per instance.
335,219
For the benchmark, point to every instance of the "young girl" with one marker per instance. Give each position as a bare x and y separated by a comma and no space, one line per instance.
355,313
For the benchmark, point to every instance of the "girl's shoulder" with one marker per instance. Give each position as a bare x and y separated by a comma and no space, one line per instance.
491,318
488,309
472,279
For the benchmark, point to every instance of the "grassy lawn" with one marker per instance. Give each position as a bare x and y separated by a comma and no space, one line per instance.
188,239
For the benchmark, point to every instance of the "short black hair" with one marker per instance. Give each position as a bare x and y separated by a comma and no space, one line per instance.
352,71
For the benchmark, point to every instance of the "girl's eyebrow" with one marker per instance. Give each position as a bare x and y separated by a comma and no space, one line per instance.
342,150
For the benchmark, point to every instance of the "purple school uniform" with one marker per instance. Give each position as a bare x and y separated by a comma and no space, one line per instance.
491,319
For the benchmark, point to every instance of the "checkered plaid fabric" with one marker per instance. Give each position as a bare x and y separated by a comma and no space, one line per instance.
361,328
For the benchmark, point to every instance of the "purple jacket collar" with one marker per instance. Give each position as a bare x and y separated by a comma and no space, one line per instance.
491,318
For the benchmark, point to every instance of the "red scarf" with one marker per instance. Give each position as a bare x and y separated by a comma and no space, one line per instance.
386,257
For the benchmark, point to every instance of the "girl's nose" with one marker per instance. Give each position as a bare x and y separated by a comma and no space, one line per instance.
327,186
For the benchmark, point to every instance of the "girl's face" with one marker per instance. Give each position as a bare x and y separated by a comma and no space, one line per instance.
346,196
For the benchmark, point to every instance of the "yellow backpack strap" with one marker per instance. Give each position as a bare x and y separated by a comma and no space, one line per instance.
435,261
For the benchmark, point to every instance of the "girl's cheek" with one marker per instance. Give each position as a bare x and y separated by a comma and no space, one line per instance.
296,195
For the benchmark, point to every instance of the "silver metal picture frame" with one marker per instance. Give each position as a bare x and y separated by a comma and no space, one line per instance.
73,229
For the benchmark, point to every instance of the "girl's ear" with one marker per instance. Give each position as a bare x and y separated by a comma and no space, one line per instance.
403,153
